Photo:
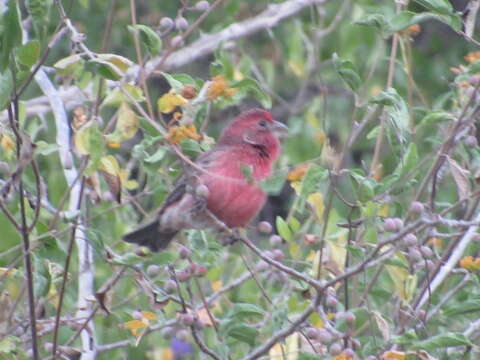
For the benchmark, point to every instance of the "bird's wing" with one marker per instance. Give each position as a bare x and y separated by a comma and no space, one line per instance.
188,178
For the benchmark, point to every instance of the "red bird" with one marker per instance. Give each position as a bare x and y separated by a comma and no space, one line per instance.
218,182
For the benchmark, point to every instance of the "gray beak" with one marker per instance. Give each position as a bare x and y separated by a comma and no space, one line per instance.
279,129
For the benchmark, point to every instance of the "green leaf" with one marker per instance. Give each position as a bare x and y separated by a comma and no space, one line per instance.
44,148
448,339
378,21
441,6
314,176
347,72
148,37
12,32
365,186
39,11
42,277
122,63
164,258
468,306
274,184
178,81
28,54
242,332
283,229
250,85
409,161
8,344
6,88
247,172
243,310
157,156
68,65
307,356
398,114
405,19
107,69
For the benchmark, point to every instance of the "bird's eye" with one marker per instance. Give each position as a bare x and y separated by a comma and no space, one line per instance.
263,123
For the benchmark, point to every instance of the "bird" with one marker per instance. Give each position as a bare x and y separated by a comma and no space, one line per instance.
223,185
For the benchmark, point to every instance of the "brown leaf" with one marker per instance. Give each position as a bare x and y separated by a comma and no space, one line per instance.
461,179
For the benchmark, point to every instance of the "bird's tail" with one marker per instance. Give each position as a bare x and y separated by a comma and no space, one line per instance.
150,236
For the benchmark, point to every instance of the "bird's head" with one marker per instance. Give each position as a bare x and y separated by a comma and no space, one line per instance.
256,128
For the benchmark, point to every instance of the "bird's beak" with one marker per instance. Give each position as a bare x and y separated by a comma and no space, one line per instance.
279,129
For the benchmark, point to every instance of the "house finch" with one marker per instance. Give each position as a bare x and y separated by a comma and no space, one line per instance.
219,183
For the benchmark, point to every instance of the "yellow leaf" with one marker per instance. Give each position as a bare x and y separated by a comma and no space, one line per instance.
298,172
316,200
316,320
167,354
178,133
170,101
394,355
135,325
219,87
216,285
296,68
127,122
338,251
404,283
149,315
110,170
204,317
7,143
109,164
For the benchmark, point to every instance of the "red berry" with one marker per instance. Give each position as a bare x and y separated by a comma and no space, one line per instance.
168,332
312,333
181,23
182,335
137,315
184,253
275,241
398,223
201,270
264,227
183,275
426,251
176,41
166,22
331,301
153,270
389,225
324,336
410,239
417,207
202,6
186,319
414,254
170,286
471,141
262,265
278,255
336,349
202,191
349,353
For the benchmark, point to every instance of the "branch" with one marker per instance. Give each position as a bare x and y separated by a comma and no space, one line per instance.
445,270
85,252
207,44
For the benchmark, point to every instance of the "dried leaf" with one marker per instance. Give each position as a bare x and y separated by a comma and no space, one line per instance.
460,175
394,355
316,201
383,325
170,101
127,122
110,170
178,133
219,87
